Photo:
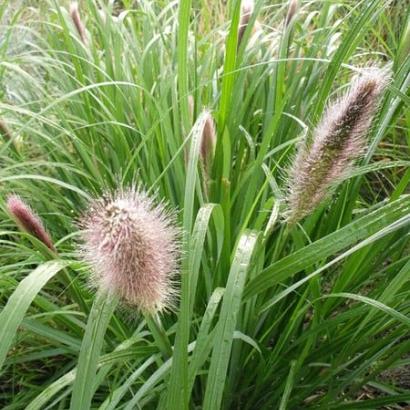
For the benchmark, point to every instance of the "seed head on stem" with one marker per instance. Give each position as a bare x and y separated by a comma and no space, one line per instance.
132,246
208,143
28,220
338,141
75,17
292,9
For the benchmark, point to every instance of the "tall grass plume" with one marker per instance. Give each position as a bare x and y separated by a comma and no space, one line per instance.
338,141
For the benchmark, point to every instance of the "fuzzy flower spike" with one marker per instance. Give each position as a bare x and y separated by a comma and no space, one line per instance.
338,141
132,246
28,220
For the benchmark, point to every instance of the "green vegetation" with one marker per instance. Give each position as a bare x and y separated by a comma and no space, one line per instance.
270,315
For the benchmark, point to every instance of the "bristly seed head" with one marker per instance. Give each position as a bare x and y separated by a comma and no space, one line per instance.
132,245
338,141
27,220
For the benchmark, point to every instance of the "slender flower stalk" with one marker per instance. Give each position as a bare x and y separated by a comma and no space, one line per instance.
132,246
246,12
338,141
28,220
75,17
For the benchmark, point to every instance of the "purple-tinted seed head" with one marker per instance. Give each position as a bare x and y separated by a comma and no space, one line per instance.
292,9
75,17
207,148
132,245
208,142
27,220
338,141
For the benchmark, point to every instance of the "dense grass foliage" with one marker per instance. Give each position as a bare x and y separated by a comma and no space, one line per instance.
270,315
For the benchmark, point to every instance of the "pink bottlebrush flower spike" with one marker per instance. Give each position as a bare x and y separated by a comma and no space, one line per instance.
132,246
75,17
27,220
338,141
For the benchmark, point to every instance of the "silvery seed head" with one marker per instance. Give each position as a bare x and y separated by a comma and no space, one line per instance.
132,246
338,141
28,220
75,17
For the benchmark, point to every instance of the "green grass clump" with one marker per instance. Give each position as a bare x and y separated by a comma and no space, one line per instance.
270,315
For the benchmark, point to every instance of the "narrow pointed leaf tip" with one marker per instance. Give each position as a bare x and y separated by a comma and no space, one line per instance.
337,142
132,245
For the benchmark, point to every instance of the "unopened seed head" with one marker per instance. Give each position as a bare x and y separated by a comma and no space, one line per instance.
292,9
75,17
28,220
208,142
